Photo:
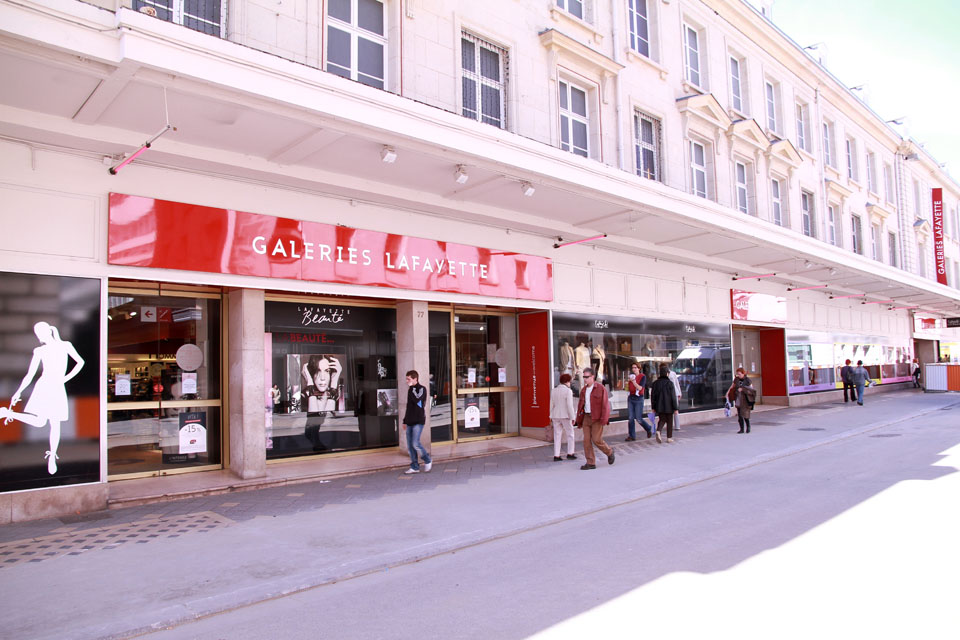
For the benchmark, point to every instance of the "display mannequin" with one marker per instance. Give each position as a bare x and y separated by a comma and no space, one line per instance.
582,360
566,357
599,355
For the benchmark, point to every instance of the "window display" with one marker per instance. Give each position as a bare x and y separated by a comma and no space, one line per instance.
334,368
49,381
699,353
815,360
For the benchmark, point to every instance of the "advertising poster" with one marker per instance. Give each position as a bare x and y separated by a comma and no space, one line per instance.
471,413
122,384
193,432
49,381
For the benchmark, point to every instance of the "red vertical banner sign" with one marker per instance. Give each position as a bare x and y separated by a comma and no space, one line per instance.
938,235
535,384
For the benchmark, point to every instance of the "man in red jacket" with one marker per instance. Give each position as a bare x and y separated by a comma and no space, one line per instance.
593,414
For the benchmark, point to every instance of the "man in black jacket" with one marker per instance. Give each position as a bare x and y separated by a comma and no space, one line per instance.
413,420
848,385
663,401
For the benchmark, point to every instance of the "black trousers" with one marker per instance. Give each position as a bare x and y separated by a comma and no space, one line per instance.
853,391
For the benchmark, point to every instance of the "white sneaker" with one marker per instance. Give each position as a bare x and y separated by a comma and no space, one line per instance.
427,467
409,471
669,439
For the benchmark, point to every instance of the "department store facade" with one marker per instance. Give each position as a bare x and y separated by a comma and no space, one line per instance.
491,205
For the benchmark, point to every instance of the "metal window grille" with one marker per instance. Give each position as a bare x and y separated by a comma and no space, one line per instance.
484,66
205,16
647,144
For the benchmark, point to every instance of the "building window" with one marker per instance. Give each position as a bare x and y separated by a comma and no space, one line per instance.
856,230
829,153
852,169
574,123
776,197
205,16
742,172
832,224
802,126
888,182
875,241
736,84
773,106
356,41
698,169
573,7
872,173
806,214
692,59
892,249
647,145
484,68
639,21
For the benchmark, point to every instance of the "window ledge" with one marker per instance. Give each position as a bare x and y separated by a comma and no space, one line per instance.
639,57
689,87
808,154
559,15
829,168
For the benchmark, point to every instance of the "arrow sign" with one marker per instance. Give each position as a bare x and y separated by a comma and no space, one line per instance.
148,314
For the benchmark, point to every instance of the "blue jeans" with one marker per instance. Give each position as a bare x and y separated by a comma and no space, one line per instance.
860,392
413,446
635,412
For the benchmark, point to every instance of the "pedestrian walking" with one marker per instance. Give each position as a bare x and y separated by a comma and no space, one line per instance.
593,414
916,373
742,395
848,385
675,379
664,402
859,377
635,386
562,414
413,420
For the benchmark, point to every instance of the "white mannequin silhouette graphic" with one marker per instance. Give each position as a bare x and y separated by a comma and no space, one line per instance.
48,402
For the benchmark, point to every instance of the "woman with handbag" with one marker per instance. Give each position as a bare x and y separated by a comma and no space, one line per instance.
742,395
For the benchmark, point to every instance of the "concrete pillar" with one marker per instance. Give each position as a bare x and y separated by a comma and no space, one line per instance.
413,352
248,452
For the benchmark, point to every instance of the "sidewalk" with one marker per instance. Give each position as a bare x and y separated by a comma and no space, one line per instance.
113,573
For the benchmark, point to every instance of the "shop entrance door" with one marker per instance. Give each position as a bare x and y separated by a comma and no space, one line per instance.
747,354
485,362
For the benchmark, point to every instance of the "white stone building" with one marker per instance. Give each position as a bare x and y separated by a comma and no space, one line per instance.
738,206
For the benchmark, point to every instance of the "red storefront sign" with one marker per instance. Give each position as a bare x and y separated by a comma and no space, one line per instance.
535,385
146,232
757,307
938,235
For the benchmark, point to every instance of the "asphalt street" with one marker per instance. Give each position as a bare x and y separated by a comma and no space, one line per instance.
825,515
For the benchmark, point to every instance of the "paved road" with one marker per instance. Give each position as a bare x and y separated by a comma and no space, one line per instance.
677,523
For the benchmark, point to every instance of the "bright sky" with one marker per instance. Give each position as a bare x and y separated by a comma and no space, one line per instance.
906,54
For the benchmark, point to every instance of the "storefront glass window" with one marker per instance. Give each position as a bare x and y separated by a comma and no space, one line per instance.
486,360
699,353
333,378
440,384
814,360
163,382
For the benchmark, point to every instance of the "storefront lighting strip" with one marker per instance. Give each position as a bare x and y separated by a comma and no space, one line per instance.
766,275
854,295
816,286
557,245
146,145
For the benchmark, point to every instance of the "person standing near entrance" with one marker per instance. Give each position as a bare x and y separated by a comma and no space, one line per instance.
916,373
742,394
845,372
664,402
562,414
593,414
413,420
675,379
859,377
636,386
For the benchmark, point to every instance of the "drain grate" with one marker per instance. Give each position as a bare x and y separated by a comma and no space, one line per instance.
811,429
886,435
83,540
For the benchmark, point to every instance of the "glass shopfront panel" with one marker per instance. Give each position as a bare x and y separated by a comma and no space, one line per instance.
163,382
814,359
441,388
698,352
486,374
332,372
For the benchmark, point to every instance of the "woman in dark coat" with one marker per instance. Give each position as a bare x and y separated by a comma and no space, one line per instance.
742,395
663,402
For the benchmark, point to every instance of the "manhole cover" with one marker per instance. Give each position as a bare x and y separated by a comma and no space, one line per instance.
811,429
886,435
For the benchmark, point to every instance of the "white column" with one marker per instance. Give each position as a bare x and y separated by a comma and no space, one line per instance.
248,452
